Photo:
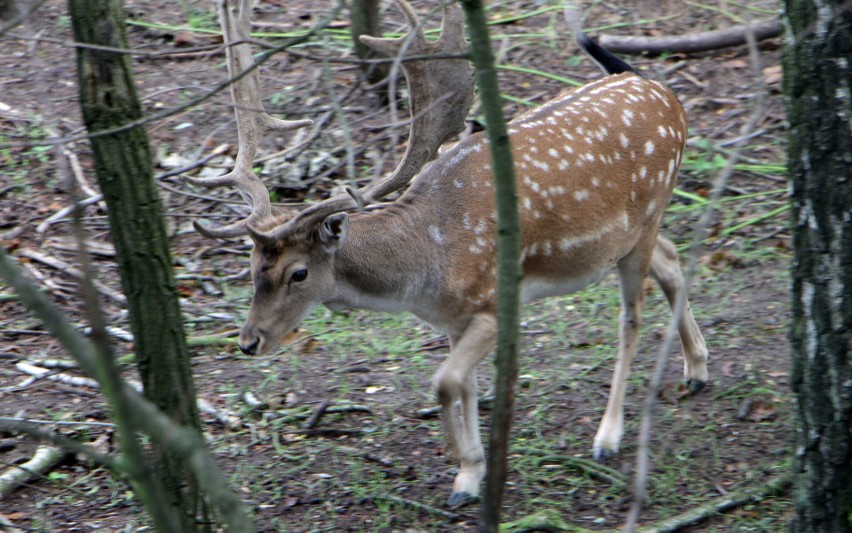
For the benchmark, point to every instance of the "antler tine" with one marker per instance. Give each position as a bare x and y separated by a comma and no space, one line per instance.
441,93
252,123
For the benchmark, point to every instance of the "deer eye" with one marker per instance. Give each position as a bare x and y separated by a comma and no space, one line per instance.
299,275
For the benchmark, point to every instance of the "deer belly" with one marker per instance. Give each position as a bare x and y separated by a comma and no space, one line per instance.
534,287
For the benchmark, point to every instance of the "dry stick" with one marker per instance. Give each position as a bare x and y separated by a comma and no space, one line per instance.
43,373
719,505
62,266
696,42
315,417
32,428
645,428
97,197
44,459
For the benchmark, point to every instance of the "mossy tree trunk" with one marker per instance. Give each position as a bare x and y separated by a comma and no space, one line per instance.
124,170
817,84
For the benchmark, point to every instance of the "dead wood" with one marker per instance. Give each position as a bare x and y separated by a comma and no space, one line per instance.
44,459
690,43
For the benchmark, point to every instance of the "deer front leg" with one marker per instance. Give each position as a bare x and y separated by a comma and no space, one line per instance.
456,380
666,271
631,271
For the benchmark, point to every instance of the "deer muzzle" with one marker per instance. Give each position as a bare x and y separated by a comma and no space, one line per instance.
251,340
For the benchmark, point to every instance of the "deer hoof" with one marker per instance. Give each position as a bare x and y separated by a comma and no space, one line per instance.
602,455
461,499
695,385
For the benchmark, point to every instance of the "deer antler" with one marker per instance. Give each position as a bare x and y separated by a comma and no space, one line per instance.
441,93
252,123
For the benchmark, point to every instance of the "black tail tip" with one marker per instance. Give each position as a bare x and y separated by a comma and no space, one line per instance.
603,57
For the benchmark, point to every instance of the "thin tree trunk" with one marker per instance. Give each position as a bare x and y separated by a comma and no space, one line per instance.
508,263
364,17
124,170
817,83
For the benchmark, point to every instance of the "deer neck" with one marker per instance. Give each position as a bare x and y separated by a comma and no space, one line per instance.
386,264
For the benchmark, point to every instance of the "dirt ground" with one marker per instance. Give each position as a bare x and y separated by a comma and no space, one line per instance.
374,462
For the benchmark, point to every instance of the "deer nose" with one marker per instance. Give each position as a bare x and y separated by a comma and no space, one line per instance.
250,349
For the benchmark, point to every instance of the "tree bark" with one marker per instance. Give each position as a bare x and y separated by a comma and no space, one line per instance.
508,263
817,83
124,170
365,20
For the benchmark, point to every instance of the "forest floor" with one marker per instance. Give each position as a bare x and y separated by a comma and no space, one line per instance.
374,461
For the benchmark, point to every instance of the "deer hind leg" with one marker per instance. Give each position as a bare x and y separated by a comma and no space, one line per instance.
456,380
666,271
632,270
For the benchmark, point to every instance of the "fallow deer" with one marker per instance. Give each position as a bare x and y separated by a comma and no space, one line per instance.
596,167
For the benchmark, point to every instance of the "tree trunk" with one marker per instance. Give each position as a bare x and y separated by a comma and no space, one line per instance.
364,17
8,10
125,174
508,263
817,83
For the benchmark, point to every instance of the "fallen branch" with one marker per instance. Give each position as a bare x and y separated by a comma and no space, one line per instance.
691,43
45,373
722,504
318,412
62,266
224,416
45,458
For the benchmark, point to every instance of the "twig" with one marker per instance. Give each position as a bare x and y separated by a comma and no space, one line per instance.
327,432
72,271
6,421
315,417
44,373
65,211
31,428
712,508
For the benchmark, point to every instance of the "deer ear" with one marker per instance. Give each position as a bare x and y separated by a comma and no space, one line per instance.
333,230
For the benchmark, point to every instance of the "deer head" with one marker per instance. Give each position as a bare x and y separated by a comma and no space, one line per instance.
292,260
